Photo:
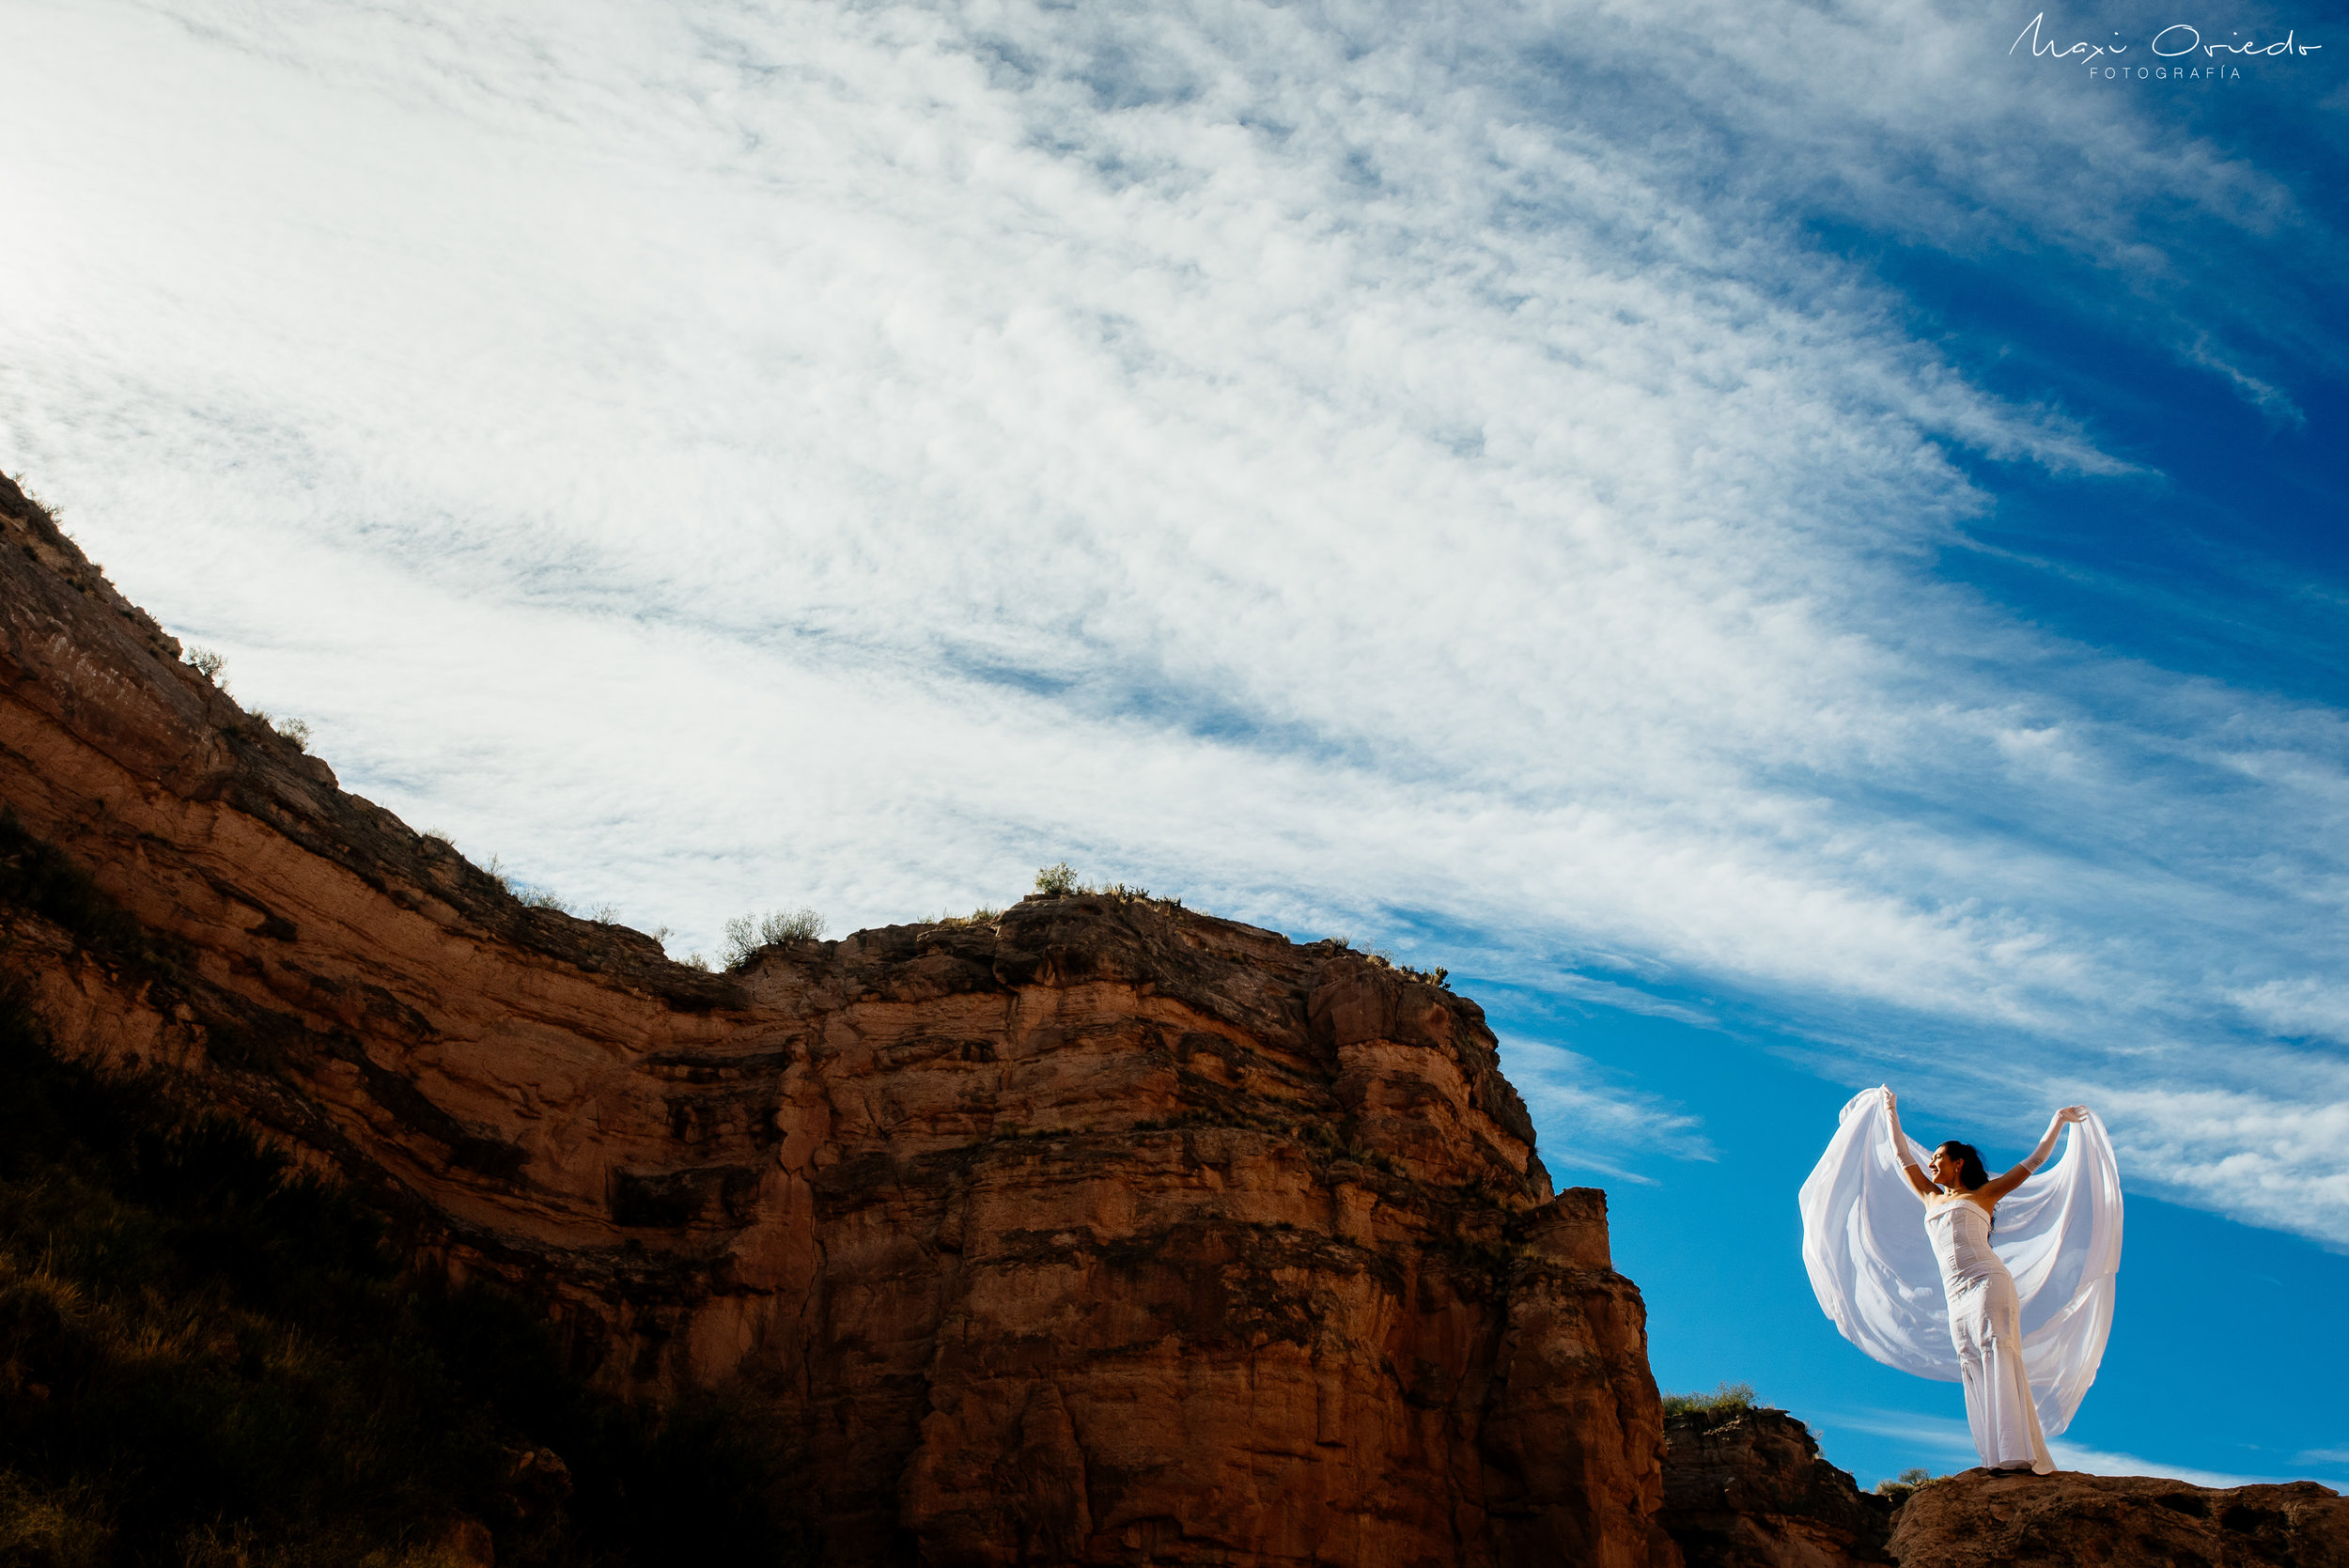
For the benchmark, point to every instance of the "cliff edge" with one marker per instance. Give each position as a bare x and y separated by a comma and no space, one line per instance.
1104,1231
2055,1521
1745,1487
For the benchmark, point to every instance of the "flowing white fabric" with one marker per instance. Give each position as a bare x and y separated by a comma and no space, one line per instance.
1874,1267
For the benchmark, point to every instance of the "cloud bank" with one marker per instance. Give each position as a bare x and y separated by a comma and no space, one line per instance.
1361,469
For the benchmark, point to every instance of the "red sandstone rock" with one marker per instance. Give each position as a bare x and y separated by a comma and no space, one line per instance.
1748,1489
467,1543
1108,1233
2061,1520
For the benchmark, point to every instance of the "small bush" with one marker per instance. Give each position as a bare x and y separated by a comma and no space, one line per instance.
791,925
208,664
529,894
62,1526
747,934
1729,1396
1900,1488
741,940
1380,958
1061,880
284,729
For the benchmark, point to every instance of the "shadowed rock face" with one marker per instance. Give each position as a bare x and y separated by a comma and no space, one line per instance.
1106,1233
2061,1520
1749,1489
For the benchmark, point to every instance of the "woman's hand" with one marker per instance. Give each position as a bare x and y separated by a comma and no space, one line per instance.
1998,1187
1900,1145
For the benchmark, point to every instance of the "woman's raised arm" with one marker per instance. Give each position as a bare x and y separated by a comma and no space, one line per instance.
1900,1148
2000,1186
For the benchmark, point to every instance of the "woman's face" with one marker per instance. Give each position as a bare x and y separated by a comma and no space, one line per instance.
1944,1168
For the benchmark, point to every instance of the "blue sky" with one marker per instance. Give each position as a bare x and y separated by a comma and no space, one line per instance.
1789,546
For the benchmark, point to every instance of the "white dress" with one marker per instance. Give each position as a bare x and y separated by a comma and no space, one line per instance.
1925,1299
1987,1331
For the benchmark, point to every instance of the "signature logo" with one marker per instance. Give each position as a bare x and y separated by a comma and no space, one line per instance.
2175,42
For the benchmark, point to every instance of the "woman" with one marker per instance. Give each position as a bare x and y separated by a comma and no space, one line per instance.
2016,1306
1986,1312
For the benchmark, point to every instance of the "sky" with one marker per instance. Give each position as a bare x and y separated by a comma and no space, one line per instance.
1789,546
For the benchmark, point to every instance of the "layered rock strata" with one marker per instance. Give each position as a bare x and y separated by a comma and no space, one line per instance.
1749,1488
1104,1231
2057,1521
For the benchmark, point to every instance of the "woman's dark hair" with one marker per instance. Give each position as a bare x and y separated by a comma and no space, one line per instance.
1969,1172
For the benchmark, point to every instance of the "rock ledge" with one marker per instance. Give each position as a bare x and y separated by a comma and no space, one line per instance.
1747,1488
2061,1520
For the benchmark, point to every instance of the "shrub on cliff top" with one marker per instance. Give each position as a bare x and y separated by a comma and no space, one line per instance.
1061,881
747,934
1728,1396
1900,1488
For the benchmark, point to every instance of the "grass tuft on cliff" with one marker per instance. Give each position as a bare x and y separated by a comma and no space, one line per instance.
1729,1396
207,1358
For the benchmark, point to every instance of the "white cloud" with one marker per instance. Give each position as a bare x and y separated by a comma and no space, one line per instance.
2305,1005
722,457
1589,1124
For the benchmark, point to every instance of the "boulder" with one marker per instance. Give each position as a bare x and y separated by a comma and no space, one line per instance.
1747,1488
2061,1520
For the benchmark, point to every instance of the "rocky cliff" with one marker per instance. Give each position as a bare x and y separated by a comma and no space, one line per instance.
1747,1488
1105,1232
2133,1521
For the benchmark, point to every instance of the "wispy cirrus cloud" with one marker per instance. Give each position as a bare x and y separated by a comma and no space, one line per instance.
1323,462
1605,1125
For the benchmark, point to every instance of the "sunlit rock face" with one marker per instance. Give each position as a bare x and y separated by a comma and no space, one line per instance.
1103,1231
2056,1521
